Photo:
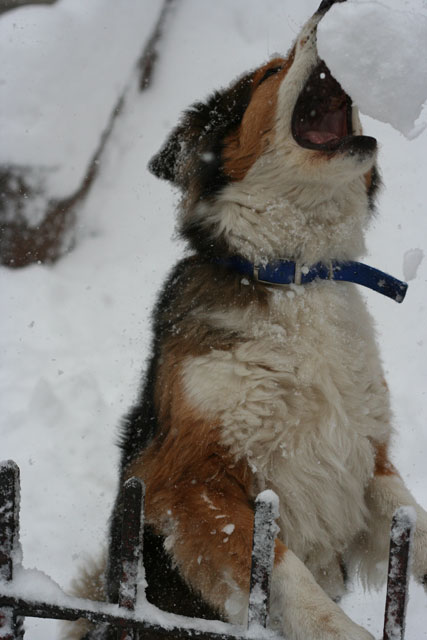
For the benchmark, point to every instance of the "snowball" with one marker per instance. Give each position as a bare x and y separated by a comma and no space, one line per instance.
379,56
411,261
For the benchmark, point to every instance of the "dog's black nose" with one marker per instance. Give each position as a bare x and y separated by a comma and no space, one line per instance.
326,5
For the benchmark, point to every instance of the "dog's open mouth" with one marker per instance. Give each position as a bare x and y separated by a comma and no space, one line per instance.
322,115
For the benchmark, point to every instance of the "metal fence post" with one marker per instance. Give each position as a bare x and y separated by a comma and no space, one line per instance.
131,548
401,535
265,530
10,625
13,607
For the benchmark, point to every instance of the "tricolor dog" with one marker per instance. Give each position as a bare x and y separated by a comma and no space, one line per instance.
257,385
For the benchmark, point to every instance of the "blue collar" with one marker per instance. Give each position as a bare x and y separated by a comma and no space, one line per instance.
288,272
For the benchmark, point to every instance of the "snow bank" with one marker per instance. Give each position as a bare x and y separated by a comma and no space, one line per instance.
62,71
379,55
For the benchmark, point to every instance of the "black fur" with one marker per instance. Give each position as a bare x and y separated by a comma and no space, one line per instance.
204,239
374,187
138,429
202,130
325,5
192,157
166,588
140,425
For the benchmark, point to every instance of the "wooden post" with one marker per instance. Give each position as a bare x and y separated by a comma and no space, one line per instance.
401,535
131,548
10,625
265,530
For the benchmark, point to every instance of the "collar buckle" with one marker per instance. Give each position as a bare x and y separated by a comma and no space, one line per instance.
255,274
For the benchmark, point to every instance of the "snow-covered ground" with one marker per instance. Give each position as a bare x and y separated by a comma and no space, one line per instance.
74,336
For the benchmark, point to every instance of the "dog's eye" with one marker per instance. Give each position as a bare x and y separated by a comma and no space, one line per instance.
269,72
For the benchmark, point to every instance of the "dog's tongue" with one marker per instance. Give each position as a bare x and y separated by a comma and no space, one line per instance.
320,137
329,127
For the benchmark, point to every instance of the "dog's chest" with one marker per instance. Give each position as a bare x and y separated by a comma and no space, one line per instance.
300,396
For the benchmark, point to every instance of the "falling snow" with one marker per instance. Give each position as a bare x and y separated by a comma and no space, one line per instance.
88,316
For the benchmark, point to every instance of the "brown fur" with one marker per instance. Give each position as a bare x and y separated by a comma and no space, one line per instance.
185,461
383,466
191,478
253,137
368,180
90,585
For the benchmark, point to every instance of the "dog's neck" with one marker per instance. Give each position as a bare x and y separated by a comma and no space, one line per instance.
299,224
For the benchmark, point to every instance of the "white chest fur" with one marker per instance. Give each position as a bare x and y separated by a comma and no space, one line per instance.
301,397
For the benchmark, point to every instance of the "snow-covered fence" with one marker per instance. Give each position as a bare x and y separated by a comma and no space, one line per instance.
16,604
17,601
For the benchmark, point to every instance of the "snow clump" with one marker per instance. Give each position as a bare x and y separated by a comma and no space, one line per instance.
411,261
379,56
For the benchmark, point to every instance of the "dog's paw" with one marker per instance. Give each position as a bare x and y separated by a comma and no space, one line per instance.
301,610
359,633
342,629
328,628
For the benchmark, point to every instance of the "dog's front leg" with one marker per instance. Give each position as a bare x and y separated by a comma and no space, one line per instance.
212,547
302,610
210,539
386,493
206,514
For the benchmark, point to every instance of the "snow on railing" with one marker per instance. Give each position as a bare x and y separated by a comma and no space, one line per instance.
265,530
20,588
18,598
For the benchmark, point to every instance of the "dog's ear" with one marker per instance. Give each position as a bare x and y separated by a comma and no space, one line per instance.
164,164
199,134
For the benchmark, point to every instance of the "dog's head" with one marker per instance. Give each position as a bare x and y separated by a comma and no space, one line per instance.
288,126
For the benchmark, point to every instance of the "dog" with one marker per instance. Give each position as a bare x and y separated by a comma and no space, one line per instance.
253,385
